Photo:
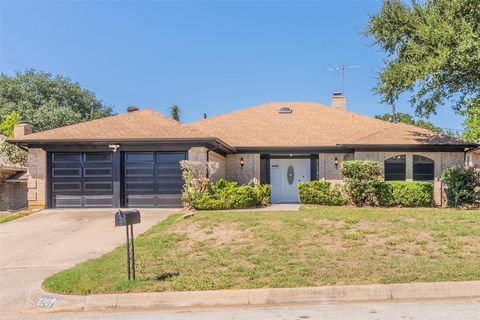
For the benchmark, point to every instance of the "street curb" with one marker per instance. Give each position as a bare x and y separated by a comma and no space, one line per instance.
244,297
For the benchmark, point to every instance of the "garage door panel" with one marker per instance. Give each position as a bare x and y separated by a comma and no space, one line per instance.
97,172
140,172
66,186
67,158
140,157
98,158
140,186
98,186
153,179
144,201
98,201
81,179
63,201
66,172
169,201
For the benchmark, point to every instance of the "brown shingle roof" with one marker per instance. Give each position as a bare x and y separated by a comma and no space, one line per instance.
312,125
145,124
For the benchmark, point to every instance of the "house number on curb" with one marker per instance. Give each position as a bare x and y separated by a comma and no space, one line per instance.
46,302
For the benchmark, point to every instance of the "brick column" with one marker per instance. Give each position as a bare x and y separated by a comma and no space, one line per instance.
37,178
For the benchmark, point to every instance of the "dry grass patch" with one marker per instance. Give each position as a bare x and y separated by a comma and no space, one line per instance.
321,246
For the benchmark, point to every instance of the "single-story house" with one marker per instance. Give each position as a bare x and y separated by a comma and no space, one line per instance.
132,159
13,185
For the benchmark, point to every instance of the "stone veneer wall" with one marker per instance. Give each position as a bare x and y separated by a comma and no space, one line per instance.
13,195
37,178
244,175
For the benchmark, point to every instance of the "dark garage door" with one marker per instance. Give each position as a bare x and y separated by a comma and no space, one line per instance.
152,179
81,180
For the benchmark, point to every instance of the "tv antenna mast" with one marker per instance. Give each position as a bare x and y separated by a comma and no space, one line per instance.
343,68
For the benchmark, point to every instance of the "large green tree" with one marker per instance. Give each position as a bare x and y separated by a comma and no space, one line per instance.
433,49
46,101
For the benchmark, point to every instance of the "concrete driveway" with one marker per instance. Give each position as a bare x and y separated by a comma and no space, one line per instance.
36,246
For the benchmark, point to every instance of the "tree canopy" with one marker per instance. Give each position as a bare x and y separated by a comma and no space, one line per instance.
47,101
433,49
175,112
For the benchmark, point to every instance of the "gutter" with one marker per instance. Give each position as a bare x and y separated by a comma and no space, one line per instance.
25,142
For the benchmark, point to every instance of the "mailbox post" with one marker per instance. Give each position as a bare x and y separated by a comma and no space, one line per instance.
128,218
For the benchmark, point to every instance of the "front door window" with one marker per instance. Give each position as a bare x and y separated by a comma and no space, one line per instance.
290,174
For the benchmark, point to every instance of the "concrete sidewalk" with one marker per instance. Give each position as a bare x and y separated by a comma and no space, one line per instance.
222,298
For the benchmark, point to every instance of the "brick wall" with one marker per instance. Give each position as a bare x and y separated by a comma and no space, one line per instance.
250,170
37,178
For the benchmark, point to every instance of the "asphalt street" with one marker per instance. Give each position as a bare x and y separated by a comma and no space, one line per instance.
420,310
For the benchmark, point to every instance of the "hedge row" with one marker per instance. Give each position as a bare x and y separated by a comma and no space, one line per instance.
389,194
406,194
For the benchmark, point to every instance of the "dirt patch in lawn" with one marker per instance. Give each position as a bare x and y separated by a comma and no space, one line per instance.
217,235
324,246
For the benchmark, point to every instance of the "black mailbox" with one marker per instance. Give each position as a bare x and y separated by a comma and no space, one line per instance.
127,217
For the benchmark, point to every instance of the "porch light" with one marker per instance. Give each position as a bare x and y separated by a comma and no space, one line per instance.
114,147
336,162
242,162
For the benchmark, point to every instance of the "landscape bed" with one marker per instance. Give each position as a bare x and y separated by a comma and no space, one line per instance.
310,247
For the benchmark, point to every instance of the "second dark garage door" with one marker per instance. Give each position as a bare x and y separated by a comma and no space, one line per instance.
152,179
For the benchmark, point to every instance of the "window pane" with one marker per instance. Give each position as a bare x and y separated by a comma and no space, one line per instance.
423,168
395,168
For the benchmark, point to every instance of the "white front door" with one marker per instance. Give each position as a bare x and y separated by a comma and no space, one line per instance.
285,174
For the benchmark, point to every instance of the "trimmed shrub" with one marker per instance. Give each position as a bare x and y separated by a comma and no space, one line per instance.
406,194
263,192
362,181
462,186
320,192
223,194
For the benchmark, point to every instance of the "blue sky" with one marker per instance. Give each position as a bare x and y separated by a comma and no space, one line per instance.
211,57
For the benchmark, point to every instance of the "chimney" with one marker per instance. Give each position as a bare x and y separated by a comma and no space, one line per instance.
22,129
132,108
339,101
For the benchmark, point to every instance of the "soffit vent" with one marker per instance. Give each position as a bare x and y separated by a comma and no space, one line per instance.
285,110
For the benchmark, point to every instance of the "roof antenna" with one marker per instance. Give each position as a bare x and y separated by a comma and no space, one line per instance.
343,68
394,113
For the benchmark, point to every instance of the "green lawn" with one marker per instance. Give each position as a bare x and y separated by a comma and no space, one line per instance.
312,247
12,216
